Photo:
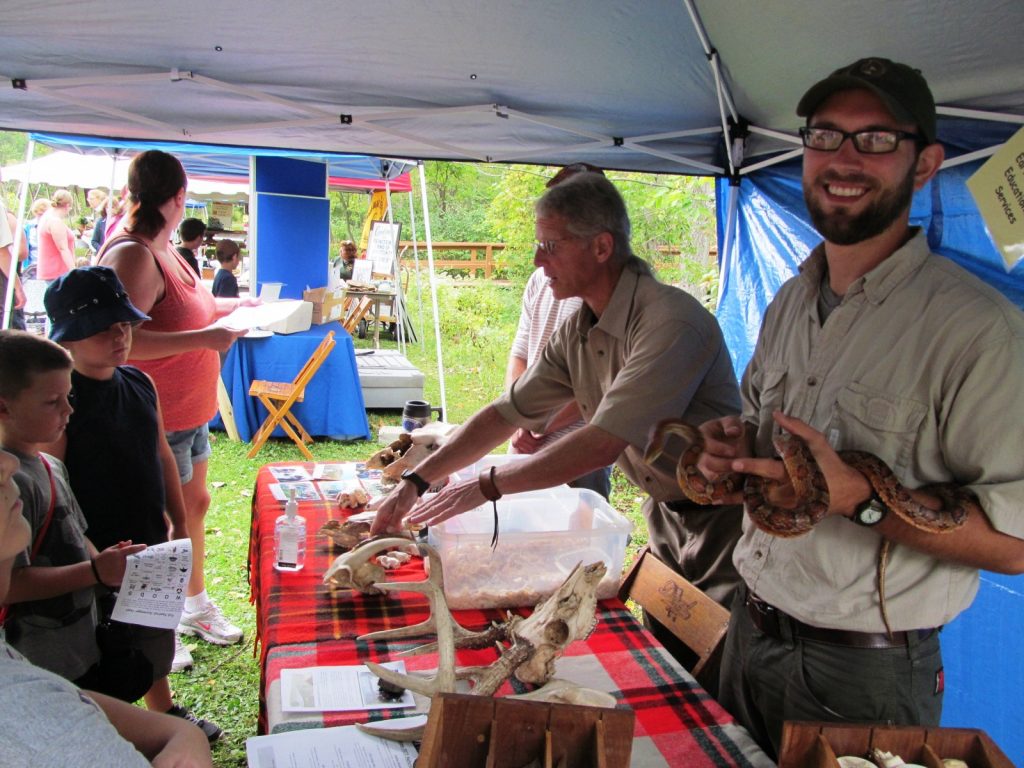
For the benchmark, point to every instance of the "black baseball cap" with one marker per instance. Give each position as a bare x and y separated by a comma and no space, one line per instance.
87,301
901,88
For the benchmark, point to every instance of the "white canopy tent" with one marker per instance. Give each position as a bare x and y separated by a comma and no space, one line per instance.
70,169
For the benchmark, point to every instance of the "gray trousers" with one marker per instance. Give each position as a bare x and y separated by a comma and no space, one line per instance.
765,681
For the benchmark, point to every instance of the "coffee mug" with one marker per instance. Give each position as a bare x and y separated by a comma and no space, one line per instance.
416,414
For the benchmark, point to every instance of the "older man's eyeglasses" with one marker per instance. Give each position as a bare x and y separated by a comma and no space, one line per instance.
870,142
548,246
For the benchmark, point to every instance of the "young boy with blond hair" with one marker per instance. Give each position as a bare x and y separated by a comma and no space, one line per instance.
121,468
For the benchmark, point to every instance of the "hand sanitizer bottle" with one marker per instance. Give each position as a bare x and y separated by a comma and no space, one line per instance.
290,538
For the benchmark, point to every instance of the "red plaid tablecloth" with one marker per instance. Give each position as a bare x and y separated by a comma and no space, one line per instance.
301,625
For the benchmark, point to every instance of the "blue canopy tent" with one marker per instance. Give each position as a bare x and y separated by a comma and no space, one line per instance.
695,86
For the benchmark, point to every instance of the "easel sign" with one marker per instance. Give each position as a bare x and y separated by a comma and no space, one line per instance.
362,272
382,248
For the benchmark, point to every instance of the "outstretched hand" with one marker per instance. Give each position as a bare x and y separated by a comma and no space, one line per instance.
392,509
220,339
453,500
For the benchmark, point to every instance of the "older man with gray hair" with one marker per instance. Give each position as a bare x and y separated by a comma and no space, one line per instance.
637,352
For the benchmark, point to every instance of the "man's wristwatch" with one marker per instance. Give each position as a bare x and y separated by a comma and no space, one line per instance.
422,486
871,512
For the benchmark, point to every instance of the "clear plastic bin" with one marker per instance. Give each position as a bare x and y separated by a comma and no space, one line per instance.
542,536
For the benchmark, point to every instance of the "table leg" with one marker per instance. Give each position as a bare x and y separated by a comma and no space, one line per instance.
376,322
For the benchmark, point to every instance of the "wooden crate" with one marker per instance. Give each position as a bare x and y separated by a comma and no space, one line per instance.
817,745
468,731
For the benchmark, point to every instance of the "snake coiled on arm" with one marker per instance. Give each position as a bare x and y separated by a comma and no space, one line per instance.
811,491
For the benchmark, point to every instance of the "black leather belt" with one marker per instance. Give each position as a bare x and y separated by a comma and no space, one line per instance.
773,622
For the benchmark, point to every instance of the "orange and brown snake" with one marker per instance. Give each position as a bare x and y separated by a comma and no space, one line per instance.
810,489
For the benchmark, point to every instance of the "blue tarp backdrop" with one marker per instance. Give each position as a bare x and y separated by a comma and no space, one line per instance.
984,666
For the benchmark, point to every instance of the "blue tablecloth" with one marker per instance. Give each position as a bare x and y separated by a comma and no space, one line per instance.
333,405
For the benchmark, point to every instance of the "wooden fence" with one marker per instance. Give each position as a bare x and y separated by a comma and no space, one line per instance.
473,260
480,256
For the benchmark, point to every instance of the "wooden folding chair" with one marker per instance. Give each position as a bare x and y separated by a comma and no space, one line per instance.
356,308
697,620
278,397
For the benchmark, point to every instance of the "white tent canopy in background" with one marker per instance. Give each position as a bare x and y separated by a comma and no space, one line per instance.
70,169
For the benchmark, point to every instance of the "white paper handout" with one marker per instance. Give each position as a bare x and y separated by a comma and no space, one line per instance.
259,316
341,747
332,472
152,592
289,474
337,689
303,491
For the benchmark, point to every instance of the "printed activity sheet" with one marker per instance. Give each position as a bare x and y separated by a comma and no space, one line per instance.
342,747
303,491
337,689
152,592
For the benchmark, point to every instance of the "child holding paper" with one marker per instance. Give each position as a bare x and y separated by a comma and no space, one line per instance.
121,468
52,610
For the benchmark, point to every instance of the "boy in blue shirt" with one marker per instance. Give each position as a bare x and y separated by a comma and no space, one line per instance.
228,256
121,468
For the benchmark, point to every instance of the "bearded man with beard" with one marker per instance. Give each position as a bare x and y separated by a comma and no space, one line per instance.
877,346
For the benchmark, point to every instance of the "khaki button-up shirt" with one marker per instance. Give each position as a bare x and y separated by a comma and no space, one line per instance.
921,364
654,353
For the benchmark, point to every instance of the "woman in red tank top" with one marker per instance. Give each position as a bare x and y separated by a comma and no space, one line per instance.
56,242
179,347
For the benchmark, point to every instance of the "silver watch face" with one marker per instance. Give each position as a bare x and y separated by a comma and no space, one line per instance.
871,514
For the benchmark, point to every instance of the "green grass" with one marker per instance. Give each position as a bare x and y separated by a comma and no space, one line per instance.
478,324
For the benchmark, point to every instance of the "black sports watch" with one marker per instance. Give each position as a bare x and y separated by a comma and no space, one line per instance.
422,486
871,512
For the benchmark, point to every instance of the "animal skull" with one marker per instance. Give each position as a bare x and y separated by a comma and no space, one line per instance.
533,643
568,615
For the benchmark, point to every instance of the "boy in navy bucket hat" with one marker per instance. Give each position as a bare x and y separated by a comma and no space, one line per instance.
87,301
121,468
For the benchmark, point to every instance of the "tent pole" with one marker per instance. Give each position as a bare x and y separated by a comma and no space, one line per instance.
433,288
725,257
416,263
396,274
19,235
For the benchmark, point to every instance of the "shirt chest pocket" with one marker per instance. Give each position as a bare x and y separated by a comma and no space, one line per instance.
771,398
879,422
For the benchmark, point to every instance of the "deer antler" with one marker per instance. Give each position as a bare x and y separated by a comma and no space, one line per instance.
534,642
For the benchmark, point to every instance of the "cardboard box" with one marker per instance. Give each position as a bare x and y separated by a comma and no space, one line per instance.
328,304
818,745
542,536
299,319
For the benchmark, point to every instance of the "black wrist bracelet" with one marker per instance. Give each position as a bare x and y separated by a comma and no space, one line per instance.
96,572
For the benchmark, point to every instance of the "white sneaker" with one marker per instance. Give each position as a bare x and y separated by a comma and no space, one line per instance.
182,655
211,625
